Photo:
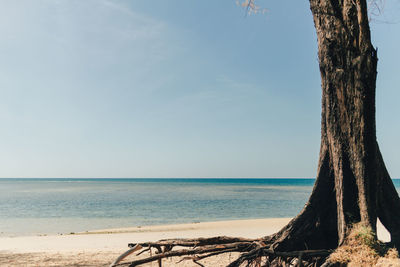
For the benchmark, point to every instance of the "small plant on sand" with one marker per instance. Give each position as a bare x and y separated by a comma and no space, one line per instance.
362,248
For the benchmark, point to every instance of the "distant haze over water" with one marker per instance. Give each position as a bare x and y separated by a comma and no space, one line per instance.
63,205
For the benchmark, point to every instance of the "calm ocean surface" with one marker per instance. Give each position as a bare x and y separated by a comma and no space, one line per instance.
49,206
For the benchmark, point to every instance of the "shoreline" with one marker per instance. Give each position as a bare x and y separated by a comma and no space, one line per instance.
117,239
267,222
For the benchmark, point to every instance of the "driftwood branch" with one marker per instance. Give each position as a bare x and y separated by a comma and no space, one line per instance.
194,242
126,254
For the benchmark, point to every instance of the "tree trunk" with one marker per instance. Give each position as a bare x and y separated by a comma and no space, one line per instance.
352,183
348,73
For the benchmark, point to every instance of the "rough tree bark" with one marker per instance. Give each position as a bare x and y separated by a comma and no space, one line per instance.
352,182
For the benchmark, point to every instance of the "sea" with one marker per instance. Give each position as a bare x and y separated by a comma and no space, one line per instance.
38,206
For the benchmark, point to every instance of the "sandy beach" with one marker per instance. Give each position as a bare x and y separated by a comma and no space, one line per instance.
101,247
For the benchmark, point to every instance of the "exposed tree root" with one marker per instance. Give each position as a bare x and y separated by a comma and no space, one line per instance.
254,251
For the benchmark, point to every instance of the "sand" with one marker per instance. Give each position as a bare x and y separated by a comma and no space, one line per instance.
101,247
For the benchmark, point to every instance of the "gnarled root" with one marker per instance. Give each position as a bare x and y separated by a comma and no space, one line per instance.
253,251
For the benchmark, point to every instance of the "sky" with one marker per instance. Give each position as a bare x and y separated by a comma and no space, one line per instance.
136,89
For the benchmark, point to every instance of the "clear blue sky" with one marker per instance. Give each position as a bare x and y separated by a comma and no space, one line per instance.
103,88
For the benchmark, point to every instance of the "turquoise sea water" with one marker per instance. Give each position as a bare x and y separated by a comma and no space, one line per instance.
49,206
